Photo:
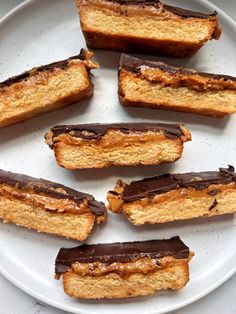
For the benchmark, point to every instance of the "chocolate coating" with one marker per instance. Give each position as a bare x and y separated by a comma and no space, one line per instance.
188,13
133,64
59,64
50,188
159,5
96,131
148,188
120,252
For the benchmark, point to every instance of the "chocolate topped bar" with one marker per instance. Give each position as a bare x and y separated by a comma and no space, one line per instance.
159,5
104,145
59,64
161,184
120,252
52,189
96,131
135,65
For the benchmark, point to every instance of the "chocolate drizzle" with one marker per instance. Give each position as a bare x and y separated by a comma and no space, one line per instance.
120,252
59,64
96,131
148,188
133,64
159,5
52,189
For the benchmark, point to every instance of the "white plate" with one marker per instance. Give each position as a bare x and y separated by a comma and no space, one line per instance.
39,32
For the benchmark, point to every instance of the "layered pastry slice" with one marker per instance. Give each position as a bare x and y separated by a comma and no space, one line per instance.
145,26
103,145
47,206
162,86
123,270
169,197
46,88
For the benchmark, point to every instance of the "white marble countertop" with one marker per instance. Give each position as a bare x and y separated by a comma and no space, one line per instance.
221,301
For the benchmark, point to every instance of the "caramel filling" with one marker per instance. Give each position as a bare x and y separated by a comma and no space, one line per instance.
112,138
193,81
114,198
142,265
185,192
47,202
89,62
131,10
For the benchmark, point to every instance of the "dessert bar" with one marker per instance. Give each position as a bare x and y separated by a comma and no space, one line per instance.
173,197
102,145
48,207
123,270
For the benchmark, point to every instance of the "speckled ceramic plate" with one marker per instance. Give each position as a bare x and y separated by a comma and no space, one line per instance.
38,32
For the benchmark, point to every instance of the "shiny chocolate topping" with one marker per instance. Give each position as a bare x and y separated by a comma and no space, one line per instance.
158,4
51,189
120,252
133,64
96,131
148,188
59,64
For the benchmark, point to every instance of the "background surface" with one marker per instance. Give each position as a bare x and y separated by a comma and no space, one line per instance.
221,301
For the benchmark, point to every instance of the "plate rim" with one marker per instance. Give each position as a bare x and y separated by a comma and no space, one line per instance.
67,308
